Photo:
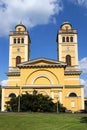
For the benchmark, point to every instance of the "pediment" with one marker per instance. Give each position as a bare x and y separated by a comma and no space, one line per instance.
41,62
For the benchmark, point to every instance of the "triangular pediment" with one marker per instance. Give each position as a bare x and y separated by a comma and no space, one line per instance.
41,62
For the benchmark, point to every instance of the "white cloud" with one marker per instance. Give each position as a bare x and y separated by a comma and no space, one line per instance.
30,12
80,2
83,68
4,83
83,64
84,82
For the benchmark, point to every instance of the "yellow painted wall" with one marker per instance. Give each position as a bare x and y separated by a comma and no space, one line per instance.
72,80
49,77
28,76
67,100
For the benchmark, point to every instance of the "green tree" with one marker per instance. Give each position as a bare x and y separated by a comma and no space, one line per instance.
32,102
85,102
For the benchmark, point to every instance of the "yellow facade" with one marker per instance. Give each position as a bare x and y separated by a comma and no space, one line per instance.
58,79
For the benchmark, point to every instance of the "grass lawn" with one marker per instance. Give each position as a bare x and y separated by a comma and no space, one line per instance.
41,121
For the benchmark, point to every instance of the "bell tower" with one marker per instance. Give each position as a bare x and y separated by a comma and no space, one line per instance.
67,44
19,48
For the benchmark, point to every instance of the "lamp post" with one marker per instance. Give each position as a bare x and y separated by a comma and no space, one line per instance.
19,103
57,103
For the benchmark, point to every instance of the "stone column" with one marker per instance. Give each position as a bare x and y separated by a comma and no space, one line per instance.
60,96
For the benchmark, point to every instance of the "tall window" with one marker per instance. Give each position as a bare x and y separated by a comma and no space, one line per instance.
67,28
68,60
67,39
63,39
18,40
71,39
22,40
19,29
18,60
72,103
14,40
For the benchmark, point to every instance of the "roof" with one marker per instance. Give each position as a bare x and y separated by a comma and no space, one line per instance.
20,25
66,23
42,62
72,70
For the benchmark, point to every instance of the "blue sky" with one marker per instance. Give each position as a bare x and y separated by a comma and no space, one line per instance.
43,19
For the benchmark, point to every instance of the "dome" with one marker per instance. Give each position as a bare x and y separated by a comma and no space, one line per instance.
20,27
66,25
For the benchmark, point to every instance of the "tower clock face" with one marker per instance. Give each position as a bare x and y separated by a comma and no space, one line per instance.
18,49
67,48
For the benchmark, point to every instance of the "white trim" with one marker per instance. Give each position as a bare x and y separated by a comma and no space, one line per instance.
42,75
71,79
26,53
13,93
52,93
26,45
60,96
72,92
10,55
52,85
76,54
14,79
60,52
2,100
73,104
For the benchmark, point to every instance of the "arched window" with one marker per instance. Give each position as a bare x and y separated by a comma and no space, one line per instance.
14,40
67,39
18,40
19,29
18,60
22,40
68,60
63,39
72,95
12,95
71,39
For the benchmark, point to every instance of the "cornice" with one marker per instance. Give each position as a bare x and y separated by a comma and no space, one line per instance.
42,66
33,87
41,87
74,86
72,72
13,74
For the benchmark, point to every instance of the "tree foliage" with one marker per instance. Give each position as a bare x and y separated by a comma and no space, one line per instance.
32,102
85,104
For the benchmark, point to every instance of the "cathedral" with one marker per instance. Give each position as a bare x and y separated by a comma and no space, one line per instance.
59,79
